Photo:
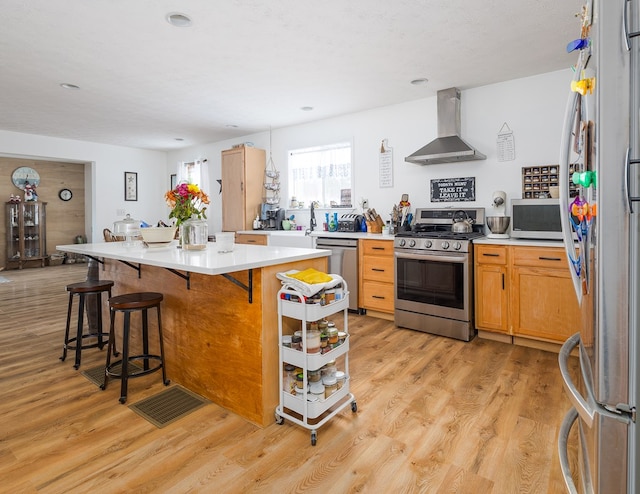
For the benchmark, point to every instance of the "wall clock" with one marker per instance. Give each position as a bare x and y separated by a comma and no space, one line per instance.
24,174
65,194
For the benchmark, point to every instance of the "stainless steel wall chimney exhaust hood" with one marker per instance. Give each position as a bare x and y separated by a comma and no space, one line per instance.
449,146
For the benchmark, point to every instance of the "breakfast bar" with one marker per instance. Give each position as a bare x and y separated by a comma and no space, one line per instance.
219,315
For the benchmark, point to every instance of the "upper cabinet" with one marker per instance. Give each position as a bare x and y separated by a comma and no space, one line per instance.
242,187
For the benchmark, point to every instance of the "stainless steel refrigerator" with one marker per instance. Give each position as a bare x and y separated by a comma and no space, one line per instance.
601,145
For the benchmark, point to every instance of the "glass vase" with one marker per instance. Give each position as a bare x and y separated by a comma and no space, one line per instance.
195,234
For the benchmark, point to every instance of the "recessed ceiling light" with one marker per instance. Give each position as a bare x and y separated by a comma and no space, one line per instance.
306,108
231,126
178,19
420,82
178,138
66,85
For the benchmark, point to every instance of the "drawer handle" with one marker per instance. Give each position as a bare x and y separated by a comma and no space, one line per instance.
490,255
251,241
377,269
378,248
378,296
542,258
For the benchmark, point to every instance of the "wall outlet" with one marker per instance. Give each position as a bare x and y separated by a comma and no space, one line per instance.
121,212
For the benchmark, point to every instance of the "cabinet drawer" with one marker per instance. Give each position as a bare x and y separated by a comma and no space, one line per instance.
491,254
377,247
247,238
378,296
377,268
547,257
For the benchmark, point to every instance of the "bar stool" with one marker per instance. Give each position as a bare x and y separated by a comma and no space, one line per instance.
128,303
82,289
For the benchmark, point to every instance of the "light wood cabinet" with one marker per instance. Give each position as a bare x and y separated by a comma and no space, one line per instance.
491,288
242,173
543,300
525,292
250,238
26,233
376,290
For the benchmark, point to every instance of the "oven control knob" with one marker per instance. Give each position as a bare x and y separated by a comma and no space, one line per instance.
444,245
412,243
428,244
457,245
402,242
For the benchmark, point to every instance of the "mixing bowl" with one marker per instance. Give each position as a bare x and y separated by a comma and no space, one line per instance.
498,224
154,235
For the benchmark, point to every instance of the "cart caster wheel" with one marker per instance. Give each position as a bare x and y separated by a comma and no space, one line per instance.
279,419
354,407
122,399
314,438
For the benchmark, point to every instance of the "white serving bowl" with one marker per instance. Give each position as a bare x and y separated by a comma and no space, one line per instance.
158,234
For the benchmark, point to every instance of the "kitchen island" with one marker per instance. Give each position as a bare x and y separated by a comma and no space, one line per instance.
219,314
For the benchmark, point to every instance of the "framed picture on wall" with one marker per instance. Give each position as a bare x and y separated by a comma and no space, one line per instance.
130,186
174,181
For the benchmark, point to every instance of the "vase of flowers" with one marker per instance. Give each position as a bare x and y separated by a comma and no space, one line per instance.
187,201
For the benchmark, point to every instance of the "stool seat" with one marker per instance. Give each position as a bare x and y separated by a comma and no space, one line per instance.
128,304
90,286
83,289
135,301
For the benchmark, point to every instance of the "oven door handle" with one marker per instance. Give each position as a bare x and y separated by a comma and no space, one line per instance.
421,256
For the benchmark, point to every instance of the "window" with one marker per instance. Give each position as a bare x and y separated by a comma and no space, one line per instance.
194,172
322,174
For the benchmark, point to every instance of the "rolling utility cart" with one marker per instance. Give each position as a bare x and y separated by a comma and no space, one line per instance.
291,304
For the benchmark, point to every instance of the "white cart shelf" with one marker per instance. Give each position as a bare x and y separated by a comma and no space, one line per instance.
337,401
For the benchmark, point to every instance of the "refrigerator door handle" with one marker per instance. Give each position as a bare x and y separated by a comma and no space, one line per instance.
563,439
581,406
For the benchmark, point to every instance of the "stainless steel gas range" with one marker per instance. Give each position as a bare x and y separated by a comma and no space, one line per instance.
434,274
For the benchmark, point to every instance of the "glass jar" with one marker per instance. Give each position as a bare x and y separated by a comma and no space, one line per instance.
332,334
314,376
296,342
313,341
317,389
340,378
287,340
195,234
289,378
330,385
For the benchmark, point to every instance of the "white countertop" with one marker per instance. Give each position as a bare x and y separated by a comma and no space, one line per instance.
519,242
320,233
207,261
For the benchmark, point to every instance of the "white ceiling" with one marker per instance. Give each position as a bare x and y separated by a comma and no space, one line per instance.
255,63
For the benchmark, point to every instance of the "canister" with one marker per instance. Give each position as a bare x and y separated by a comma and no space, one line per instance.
332,334
317,390
313,341
286,340
329,369
341,377
330,385
314,376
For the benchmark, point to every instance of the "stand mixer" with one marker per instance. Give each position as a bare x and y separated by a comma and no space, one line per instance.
499,224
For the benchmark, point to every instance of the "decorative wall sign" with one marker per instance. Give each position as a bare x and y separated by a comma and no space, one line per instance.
506,144
130,186
386,165
453,189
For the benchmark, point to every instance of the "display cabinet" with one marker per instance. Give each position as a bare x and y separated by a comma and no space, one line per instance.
26,238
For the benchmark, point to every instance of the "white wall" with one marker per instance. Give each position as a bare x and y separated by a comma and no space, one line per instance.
105,167
532,107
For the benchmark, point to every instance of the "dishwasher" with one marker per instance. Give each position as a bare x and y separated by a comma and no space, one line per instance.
343,261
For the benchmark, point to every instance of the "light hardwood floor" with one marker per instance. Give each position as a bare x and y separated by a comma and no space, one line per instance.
435,415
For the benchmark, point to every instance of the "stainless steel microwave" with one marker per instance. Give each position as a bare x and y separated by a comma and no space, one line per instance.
536,219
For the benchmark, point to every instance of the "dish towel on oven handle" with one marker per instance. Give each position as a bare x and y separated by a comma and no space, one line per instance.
308,282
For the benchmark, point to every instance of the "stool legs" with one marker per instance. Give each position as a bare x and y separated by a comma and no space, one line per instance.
76,342
124,373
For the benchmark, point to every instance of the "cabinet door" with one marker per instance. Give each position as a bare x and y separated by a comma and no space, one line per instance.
491,298
544,303
378,296
233,190
377,268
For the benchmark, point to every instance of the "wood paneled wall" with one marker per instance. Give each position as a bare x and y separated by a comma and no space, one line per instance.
65,220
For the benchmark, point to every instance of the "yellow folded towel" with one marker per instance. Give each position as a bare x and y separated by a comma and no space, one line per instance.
311,276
